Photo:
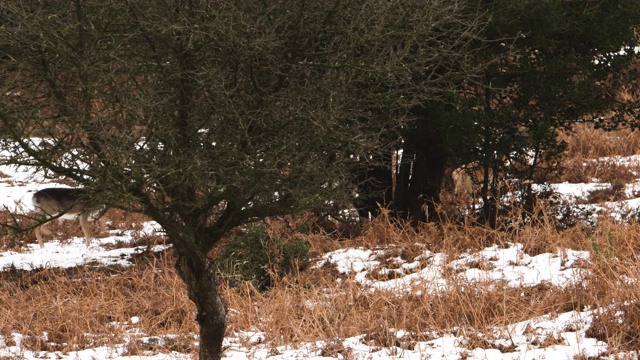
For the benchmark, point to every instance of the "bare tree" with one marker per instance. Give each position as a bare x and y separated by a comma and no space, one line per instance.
209,115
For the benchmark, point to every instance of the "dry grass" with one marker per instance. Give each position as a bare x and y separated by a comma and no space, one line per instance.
315,306
68,305
65,310
587,157
585,142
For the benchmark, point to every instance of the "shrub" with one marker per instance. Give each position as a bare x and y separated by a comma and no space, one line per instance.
261,258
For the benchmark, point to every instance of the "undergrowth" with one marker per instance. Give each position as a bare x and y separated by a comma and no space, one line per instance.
56,309
71,309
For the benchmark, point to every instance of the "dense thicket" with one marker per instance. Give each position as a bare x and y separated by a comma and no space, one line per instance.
550,64
210,115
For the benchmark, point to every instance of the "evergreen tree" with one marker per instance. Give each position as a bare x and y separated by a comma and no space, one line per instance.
550,64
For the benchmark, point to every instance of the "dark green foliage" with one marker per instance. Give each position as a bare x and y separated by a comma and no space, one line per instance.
546,65
547,78
260,258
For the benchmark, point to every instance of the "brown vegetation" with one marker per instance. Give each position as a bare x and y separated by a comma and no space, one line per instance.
67,305
91,306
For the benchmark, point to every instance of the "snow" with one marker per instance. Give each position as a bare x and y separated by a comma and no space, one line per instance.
507,264
74,252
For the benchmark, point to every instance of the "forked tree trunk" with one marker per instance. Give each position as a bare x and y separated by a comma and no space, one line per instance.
420,174
198,273
423,166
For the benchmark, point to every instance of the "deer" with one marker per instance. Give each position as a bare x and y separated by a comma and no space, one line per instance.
468,180
65,203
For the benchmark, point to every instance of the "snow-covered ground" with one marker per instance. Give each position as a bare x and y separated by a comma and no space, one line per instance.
508,264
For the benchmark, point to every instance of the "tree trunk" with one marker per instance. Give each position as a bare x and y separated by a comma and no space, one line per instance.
424,188
198,273
423,166
420,172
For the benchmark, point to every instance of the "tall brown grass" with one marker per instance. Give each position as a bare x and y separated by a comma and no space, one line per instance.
89,306
590,150
72,309
68,305
314,305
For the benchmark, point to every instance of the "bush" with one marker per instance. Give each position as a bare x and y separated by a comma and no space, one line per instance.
260,258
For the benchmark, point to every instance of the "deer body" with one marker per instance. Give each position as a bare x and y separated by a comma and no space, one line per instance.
64,203
468,180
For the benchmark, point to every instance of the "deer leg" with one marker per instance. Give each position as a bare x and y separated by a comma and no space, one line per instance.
102,225
101,220
41,232
84,224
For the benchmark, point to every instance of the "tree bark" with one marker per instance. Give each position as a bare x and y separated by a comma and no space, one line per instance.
198,273
422,170
420,173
